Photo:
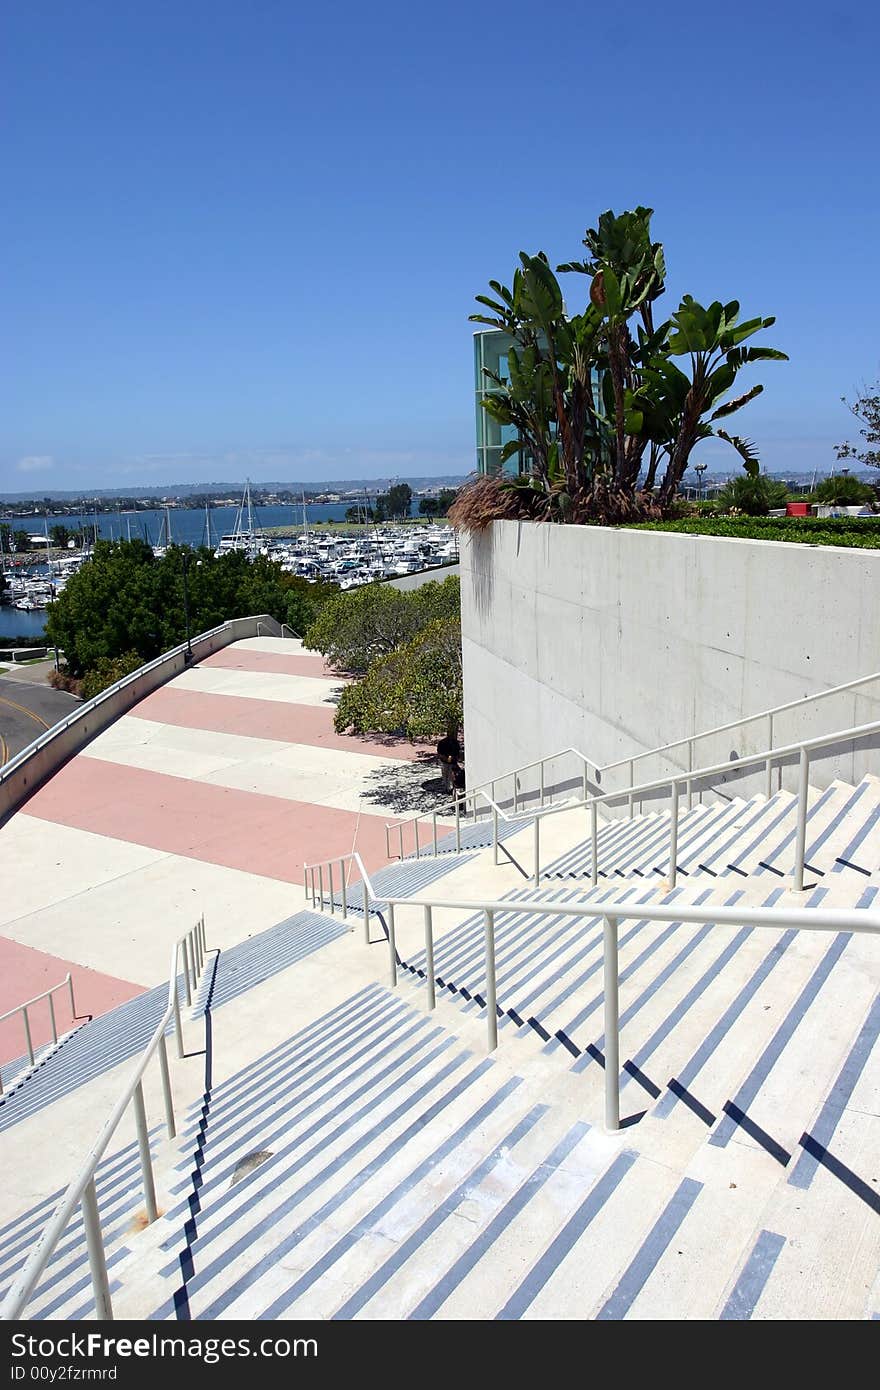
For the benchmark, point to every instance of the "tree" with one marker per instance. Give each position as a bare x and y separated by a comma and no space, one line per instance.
595,397
398,500
59,536
446,498
354,629
844,490
22,541
125,600
429,506
415,690
866,409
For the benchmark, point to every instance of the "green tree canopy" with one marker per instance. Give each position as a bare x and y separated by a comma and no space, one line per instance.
415,690
398,500
354,629
126,600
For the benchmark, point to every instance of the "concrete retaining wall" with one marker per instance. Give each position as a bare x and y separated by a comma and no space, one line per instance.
616,641
34,764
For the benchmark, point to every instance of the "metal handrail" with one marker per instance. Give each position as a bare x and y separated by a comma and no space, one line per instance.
22,1009
313,882
803,748
469,795
744,719
84,710
802,919
192,948
688,741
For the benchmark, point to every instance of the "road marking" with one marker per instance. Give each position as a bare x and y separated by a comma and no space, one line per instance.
4,751
22,710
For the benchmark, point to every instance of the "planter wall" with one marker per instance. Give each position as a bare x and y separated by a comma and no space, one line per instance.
616,641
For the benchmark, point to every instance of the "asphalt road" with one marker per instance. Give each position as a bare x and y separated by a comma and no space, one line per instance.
27,708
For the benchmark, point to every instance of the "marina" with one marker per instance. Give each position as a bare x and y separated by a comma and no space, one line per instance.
348,556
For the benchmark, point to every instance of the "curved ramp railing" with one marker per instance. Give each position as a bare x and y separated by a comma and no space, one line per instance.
23,773
189,952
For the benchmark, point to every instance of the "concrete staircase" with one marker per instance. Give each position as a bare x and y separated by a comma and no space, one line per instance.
352,1155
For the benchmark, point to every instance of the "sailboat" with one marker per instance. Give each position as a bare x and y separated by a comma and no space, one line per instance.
243,537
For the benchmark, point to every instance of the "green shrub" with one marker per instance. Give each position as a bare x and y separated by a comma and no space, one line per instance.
844,531
754,495
107,671
844,490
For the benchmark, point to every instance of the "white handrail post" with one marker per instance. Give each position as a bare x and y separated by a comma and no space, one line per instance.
321,885
416,828
434,819
429,958
770,758
52,1019
491,1006
387,845
27,1034
632,783
474,805
72,1004
143,1139
690,785
457,826
612,1026
166,1089
537,879
586,788
391,946
673,837
541,781
306,882
186,974
330,876
801,838
494,833
515,795
366,897
400,837
594,842
178,1027
344,891
97,1259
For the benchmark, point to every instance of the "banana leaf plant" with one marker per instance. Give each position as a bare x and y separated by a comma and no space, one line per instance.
587,449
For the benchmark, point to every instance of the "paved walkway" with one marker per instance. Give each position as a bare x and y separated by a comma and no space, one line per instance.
208,797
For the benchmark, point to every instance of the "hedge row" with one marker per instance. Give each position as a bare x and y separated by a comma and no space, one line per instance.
851,531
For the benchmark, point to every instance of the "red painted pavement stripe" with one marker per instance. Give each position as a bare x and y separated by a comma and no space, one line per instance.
244,659
25,972
260,834
272,719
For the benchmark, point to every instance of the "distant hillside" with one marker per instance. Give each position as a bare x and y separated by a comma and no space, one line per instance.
180,490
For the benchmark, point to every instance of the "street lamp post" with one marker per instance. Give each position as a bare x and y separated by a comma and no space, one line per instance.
699,469
186,559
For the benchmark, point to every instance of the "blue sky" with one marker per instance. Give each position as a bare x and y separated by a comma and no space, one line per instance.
246,238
